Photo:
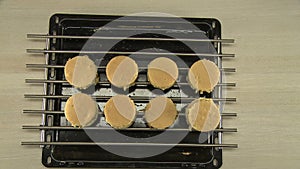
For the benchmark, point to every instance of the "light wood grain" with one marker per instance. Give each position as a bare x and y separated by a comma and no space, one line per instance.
268,58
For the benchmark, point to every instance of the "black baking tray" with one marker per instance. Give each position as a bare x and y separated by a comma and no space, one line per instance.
93,155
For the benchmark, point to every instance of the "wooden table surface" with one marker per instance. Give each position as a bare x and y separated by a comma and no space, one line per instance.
267,59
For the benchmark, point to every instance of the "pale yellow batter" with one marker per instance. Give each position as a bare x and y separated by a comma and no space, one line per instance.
81,72
203,75
81,110
122,71
120,111
203,115
160,112
162,73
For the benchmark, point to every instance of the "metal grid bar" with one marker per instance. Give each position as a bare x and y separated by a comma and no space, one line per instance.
127,144
126,129
127,53
135,98
62,112
127,38
40,66
107,83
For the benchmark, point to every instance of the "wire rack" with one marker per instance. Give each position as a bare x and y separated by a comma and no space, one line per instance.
66,146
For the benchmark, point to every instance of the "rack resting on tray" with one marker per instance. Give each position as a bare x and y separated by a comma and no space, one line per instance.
66,146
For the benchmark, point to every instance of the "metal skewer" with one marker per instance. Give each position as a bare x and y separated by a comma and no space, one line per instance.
101,113
126,144
106,128
127,38
107,83
127,53
41,66
135,98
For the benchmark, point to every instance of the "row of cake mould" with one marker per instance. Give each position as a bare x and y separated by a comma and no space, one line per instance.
120,112
122,72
